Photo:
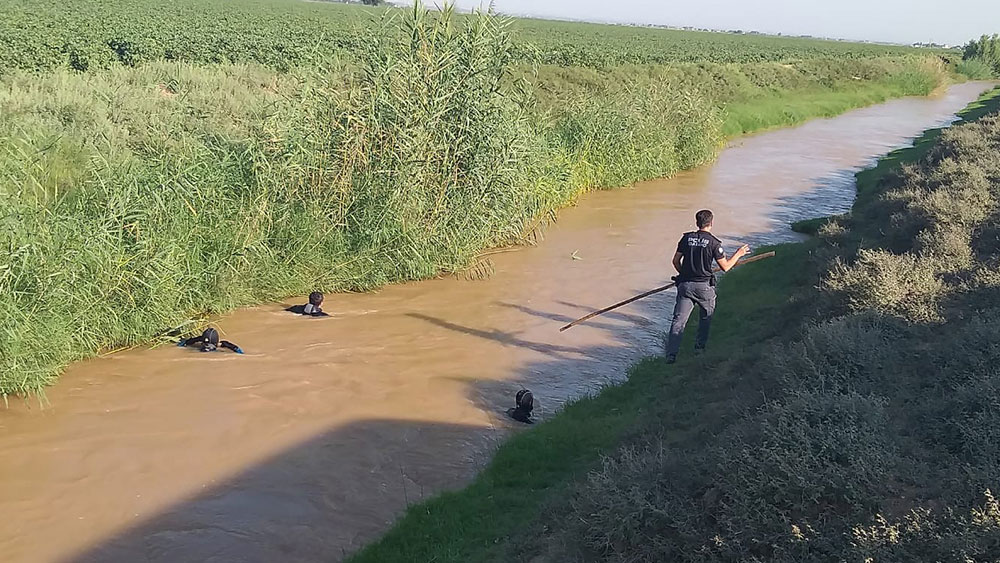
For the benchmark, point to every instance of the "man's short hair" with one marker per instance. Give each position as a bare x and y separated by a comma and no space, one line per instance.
704,218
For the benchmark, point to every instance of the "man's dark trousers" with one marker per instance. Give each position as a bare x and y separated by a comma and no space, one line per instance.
690,294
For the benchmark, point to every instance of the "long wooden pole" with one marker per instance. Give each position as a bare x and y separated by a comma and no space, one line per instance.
653,291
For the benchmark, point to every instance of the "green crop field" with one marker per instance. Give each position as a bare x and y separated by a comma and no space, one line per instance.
86,34
584,44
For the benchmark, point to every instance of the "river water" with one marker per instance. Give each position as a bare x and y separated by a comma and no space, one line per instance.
314,441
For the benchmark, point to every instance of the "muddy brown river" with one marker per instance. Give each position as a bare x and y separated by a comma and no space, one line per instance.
314,441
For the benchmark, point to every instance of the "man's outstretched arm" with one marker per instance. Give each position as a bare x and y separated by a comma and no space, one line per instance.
727,263
677,261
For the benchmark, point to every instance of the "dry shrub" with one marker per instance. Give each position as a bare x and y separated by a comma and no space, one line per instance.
985,283
973,143
801,459
949,247
846,353
986,239
904,286
959,196
636,509
764,493
923,535
832,231
963,416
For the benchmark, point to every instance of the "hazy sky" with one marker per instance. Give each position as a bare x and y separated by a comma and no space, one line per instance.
900,21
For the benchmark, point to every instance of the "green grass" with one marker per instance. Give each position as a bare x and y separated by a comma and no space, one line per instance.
750,96
975,70
787,109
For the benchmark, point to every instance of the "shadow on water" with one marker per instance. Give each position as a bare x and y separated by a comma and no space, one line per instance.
294,505
297,505
506,338
829,195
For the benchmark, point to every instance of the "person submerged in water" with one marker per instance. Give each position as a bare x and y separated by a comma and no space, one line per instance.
209,342
311,309
525,402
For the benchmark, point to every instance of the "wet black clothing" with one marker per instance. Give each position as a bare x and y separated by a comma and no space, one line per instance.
525,402
207,345
520,415
308,310
700,250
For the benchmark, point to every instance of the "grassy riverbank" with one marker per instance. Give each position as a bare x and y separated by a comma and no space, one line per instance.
815,429
140,198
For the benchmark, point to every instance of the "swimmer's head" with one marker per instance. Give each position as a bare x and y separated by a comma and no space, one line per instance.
524,400
210,340
316,299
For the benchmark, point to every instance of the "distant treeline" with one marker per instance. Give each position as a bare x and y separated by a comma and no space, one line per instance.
985,51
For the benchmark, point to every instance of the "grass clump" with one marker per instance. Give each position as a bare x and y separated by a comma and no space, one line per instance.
904,285
138,199
607,143
430,142
974,69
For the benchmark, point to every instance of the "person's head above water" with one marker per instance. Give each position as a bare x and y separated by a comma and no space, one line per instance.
704,220
315,299
525,402
311,309
210,340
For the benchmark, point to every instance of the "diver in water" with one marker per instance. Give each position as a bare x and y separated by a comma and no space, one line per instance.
209,342
311,309
525,404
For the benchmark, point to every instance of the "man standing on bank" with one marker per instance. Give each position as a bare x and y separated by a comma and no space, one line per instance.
696,283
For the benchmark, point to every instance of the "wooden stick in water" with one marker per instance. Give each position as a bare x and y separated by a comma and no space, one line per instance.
654,291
